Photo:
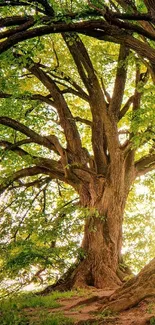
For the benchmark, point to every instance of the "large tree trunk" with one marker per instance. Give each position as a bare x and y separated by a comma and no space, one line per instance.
105,199
102,244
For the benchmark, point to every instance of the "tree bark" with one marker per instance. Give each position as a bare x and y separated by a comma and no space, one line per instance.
133,291
102,242
99,265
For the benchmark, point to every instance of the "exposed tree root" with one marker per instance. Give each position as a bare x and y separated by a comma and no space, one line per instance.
82,275
133,291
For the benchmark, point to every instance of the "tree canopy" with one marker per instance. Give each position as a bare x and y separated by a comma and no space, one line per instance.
77,113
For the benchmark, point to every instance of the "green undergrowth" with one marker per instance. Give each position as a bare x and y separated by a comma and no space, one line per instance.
107,313
39,318
152,321
24,309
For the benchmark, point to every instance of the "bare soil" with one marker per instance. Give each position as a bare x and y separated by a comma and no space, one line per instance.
85,310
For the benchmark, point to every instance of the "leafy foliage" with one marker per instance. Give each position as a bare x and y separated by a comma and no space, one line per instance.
37,237
50,132
139,224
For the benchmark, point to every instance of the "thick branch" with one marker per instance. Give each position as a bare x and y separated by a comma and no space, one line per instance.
121,37
48,7
97,101
126,107
66,118
69,90
22,27
137,95
18,3
47,166
13,20
146,32
25,172
99,29
13,147
132,16
150,4
57,168
66,81
81,59
145,164
37,97
44,141
38,183
120,80
104,130
83,120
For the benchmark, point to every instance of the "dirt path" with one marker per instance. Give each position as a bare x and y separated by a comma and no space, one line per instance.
84,310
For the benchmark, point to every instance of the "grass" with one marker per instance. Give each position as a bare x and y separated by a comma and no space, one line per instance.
41,318
31,309
152,321
51,319
151,308
107,313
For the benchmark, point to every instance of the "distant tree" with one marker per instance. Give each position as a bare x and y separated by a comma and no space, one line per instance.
69,114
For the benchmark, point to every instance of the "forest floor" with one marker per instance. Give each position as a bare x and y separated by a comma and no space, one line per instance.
81,307
85,310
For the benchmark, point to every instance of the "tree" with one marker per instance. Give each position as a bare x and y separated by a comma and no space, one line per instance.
120,147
